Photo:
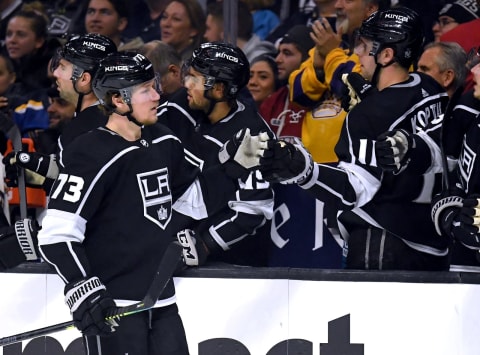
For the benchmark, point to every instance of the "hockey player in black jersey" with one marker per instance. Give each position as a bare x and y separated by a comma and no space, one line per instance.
113,211
205,114
73,67
456,211
384,216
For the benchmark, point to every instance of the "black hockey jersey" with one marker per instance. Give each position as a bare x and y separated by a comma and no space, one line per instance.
250,206
362,193
84,121
111,209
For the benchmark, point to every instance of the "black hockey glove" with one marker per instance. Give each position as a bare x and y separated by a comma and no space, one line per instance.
89,305
286,163
355,89
393,149
18,243
38,167
458,218
194,249
243,152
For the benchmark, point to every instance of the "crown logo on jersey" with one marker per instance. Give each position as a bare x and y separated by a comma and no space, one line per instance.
162,213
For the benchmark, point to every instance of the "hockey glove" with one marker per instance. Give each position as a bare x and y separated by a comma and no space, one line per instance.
18,243
194,249
38,167
393,149
243,152
89,305
458,218
286,163
356,88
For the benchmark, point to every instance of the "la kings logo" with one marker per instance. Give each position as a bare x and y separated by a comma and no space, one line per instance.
157,197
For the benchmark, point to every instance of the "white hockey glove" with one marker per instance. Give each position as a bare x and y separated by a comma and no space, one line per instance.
18,243
355,90
194,249
393,149
89,305
458,218
286,163
244,151
38,167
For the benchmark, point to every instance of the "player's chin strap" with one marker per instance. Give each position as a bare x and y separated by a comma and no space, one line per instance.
129,116
77,72
212,101
379,66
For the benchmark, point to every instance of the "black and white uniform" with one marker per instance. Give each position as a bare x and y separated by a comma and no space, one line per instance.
251,207
462,141
111,215
83,122
385,216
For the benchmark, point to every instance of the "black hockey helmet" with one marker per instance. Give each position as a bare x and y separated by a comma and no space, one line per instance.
223,62
85,52
119,73
397,28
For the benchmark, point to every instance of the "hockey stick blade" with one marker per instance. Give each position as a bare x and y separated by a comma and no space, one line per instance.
166,268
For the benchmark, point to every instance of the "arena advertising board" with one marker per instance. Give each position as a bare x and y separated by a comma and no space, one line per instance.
274,317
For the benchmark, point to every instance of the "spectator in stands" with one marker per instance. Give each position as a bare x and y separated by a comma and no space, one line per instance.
249,42
454,14
263,78
445,62
60,112
8,8
284,116
183,26
110,18
29,48
306,15
265,20
167,63
318,84
464,28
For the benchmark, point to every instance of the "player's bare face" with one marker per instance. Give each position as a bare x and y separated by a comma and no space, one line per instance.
363,48
63,74
145,99
194,82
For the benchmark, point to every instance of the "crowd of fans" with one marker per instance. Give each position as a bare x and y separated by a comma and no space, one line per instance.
296,84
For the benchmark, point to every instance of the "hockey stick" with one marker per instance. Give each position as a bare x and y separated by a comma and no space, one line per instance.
166,268
10,128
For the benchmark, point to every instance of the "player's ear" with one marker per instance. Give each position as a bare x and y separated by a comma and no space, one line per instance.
219,90
387,55
117,100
